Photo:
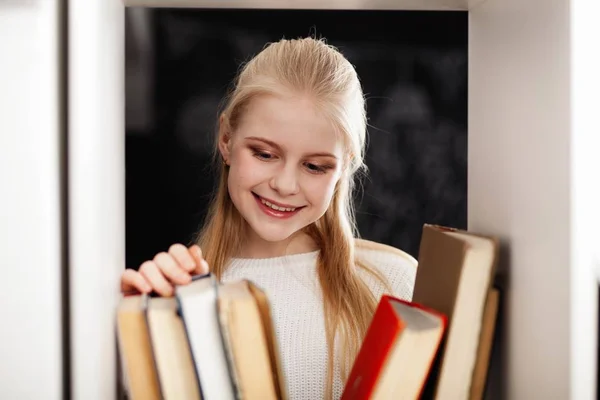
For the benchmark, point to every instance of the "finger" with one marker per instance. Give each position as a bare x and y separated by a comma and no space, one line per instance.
181,254
171,269
201,264
133,281
150,271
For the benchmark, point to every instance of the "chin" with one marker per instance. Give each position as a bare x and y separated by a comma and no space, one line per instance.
273,234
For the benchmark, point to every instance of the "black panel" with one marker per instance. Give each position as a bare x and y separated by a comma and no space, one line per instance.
413,66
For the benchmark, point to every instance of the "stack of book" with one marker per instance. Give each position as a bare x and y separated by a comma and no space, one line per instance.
437,346
217,341
209,341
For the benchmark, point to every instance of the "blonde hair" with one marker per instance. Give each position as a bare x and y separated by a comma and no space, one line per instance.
311,67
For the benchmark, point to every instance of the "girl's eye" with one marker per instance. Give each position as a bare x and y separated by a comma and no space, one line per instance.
262,155
317,169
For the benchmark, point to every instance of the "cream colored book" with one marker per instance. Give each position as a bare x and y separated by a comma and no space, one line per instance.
174,364
250,343
135,350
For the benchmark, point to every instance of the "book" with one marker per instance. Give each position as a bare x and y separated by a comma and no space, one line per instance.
397,352
139,376
209,341
455,276
484,351
172,357
197,302
245,320
273,344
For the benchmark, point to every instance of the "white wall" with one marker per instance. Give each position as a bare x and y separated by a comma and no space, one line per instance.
30,334
530,132
97,185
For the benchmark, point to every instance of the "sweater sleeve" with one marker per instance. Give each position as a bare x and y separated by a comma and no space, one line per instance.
397,268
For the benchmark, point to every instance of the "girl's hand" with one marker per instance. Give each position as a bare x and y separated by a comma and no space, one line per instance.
166,270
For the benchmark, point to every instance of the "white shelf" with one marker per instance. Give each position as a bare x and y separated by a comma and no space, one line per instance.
30,221
533,180
432,5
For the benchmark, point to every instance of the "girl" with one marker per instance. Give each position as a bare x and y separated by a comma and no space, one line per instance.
291,139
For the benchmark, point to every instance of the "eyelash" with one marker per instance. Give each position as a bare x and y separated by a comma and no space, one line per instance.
318,169
261,155
312,168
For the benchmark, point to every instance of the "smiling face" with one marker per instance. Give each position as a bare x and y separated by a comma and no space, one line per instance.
285,160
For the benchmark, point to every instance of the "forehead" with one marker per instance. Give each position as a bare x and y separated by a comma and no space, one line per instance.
293,122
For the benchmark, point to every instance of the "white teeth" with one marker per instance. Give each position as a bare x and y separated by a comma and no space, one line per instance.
274,207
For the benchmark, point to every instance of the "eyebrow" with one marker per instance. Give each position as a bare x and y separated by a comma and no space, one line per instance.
278,147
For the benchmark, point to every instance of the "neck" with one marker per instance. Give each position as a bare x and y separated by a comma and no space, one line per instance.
256,247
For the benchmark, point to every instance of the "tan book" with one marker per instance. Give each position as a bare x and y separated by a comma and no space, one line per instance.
249,341
135,350
486,339
174,365
455,274
276,366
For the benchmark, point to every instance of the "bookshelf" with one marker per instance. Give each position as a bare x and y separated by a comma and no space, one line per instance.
533,132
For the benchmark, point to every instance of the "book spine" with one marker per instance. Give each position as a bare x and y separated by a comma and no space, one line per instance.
381,334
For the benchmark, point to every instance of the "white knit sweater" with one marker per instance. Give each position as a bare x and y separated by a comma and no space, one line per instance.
292,287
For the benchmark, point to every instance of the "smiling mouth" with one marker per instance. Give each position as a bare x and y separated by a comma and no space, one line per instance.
278,208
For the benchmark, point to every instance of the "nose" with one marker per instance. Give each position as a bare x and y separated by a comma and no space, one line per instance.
285,181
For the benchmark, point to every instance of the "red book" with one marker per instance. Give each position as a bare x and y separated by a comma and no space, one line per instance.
397,352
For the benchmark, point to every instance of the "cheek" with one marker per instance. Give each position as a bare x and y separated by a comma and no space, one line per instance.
245,170
320,191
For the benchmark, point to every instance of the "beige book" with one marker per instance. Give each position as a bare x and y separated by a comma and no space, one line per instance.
486,339
172,356
135,350
455,275
250,341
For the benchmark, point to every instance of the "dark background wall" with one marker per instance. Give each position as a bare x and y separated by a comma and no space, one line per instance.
413,66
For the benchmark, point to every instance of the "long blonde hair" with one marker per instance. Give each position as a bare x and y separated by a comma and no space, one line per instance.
313,67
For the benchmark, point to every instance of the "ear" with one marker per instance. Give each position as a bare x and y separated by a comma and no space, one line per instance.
224,138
